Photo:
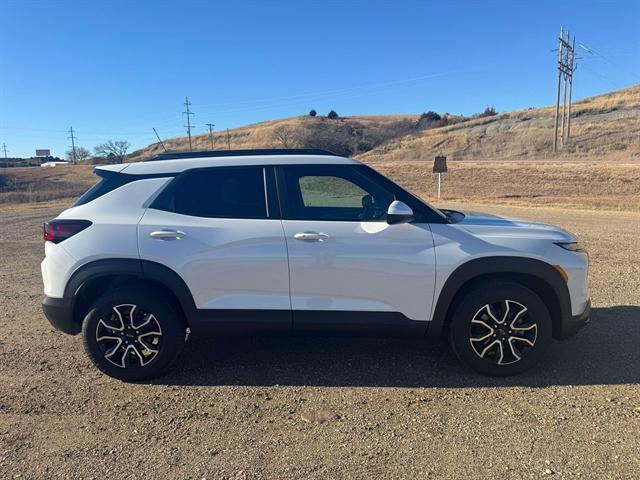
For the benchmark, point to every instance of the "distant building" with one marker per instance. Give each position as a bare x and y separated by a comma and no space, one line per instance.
54,164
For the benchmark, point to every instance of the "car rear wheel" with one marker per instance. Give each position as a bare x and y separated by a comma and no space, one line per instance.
133,333
500,328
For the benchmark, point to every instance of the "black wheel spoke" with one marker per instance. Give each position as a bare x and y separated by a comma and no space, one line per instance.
129,336
502,332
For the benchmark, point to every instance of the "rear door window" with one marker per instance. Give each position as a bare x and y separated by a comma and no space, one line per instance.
222,192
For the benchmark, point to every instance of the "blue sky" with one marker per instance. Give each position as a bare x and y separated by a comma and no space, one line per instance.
115,69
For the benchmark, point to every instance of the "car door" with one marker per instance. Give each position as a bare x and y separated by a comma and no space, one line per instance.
219,230
347,265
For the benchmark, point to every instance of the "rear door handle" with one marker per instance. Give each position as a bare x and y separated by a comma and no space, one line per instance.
311,236
167,234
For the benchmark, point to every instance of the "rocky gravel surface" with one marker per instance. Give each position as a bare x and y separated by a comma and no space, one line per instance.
332,407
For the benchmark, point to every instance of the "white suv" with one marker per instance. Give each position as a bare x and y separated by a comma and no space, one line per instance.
295,241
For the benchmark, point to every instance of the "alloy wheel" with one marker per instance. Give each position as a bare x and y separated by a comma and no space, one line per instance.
129,336
502,332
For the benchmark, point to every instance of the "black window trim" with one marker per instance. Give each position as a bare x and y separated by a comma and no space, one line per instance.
161,202
271,193
275,192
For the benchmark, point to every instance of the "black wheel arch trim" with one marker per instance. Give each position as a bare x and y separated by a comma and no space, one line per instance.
478,268
139,269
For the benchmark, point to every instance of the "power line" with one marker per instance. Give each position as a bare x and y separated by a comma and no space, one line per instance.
591,51
73,145
188,113
210,125
600,75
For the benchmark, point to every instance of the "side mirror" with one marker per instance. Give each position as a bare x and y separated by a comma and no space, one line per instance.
399,212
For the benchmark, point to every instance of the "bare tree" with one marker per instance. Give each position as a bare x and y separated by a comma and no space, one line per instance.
286,136
113,149
81,154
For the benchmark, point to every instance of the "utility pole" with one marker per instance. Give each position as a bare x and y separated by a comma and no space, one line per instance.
573,68
228,140
188,113
566,67
4,147
210,125
73,145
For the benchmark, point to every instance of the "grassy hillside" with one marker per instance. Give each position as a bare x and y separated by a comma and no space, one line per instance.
347,136
603,127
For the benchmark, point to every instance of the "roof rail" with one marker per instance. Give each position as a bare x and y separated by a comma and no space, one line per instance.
242,153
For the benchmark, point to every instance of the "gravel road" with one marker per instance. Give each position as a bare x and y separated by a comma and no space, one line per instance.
319,408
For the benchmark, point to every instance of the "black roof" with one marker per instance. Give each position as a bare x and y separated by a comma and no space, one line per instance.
243,153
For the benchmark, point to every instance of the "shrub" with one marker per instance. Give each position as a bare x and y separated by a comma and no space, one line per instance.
430,116
488,112
332,115
431,120
313,113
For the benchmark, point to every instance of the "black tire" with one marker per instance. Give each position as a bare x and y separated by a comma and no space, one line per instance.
473,331
131,354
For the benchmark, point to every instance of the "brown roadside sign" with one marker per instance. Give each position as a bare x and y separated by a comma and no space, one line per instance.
440,164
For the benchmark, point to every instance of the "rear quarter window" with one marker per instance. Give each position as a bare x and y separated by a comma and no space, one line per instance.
220,192
106,184
110,181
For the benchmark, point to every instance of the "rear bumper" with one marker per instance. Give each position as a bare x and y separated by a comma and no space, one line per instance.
59,312
570,326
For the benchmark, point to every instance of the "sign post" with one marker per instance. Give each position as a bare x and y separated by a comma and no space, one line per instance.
440,167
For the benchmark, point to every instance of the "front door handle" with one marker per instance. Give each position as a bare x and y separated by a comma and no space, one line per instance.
167,234
311,236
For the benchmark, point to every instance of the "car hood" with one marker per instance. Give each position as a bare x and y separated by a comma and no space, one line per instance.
484,224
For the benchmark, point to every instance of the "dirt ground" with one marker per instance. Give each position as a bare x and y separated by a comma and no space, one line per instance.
234,408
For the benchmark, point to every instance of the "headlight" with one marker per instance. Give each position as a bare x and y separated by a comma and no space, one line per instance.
571,246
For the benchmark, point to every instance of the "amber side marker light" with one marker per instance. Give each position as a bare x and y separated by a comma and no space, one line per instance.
562,273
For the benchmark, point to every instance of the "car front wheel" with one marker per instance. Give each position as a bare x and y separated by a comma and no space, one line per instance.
500,328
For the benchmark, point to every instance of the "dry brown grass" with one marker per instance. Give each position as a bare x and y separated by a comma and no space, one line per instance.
35,184
261,135
603,127
592,185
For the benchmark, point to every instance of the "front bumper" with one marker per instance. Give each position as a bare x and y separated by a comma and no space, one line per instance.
59,312
572,325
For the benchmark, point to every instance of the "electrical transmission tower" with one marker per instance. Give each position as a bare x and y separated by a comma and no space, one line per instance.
73,145
4,147
188,126
211,125
566,67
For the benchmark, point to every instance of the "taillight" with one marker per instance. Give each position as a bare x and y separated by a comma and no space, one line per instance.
58,230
